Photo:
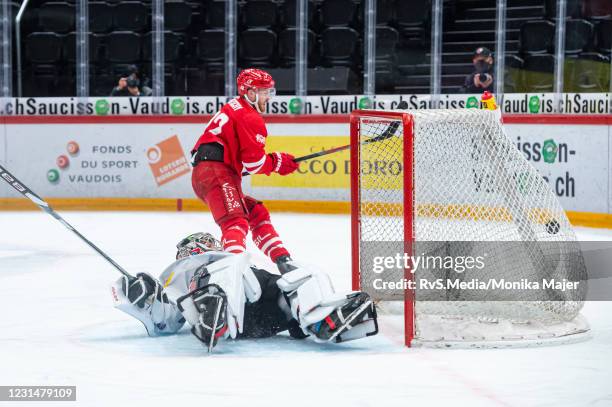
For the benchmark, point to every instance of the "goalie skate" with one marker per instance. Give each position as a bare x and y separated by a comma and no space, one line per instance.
355,319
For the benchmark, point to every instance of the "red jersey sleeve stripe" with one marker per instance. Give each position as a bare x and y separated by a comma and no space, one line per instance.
254,167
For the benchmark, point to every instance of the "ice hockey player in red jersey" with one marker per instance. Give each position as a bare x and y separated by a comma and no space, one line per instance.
233,140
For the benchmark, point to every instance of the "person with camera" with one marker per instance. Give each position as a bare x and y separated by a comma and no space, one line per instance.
130,87
131,84
482,78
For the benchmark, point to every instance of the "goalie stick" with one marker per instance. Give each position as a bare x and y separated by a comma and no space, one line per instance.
27,192
388,133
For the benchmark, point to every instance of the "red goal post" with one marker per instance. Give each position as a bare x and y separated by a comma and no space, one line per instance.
405,127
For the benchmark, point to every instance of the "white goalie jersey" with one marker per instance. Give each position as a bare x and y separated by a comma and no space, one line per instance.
256,303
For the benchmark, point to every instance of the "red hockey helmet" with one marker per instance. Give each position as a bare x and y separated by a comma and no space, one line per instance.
253,78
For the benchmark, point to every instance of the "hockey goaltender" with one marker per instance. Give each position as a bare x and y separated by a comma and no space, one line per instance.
221,295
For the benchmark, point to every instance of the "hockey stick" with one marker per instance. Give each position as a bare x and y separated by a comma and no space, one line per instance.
25,191
388,133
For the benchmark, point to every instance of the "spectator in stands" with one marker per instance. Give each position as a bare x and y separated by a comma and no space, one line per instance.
482,78
130,87
139,84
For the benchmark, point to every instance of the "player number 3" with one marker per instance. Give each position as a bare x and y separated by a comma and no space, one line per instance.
221,119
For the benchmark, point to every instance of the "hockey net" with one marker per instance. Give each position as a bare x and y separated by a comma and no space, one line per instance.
451,183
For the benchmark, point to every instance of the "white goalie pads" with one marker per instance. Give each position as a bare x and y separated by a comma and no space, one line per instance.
234,276
311,295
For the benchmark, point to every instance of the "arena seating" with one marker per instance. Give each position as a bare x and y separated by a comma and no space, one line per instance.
195,42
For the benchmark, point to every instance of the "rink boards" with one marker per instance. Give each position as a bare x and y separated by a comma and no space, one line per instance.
142,162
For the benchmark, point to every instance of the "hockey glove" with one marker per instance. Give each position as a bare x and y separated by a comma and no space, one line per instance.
140,289
283,163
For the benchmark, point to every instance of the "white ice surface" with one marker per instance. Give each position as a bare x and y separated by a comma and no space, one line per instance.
58,327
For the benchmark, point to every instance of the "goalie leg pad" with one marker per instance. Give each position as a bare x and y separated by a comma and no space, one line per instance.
234,277
311,295
205,309
330,316
356,319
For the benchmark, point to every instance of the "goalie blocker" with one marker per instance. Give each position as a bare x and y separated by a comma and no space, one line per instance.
221,296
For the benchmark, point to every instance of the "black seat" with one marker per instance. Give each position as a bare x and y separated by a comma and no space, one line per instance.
321,81
597,9
414,14
338,13
339,46
385,11
173,46
286,46
333,81
177,16
413,61
68,79
43,48
288,11
537,37
259,13
257,47
43,52
211,47
205,83
387,39
210,52
578,34
538,73
56,17
604,36
131,16
100,17
95,47
386,42
573,8
123,47
215,13
173,63
101,83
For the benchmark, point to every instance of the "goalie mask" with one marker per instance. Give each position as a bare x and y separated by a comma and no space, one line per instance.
197,243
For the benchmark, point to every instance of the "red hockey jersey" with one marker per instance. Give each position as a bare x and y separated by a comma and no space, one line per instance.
240,129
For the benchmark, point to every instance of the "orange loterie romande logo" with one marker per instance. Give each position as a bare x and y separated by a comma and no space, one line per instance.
167,160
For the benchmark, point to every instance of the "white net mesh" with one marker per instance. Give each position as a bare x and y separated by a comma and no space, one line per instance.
473,192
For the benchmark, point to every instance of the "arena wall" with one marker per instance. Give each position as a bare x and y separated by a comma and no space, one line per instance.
134,162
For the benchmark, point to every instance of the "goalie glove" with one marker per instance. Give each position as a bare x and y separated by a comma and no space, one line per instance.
144,298
141,289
